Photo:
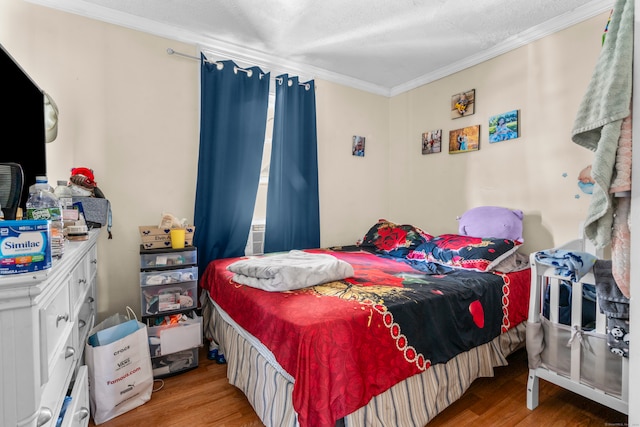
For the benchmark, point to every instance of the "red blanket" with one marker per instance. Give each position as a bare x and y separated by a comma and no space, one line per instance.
347,341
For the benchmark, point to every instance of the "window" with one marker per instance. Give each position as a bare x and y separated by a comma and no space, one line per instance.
255,240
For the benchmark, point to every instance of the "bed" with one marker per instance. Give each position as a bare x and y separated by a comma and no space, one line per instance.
395,343
577,331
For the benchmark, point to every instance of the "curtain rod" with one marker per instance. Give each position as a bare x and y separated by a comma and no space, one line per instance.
170,51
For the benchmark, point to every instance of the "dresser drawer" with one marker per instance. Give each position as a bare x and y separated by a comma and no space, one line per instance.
77,413
55,327
56,387
92,259
79,281
84,321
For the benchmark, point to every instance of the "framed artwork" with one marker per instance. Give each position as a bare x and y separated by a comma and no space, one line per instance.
504,126
357,147
432,142
465,139
463,104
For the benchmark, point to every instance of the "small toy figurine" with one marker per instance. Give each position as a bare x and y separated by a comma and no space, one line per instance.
585,182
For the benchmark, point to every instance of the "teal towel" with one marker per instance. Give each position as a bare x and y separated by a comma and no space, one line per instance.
597,125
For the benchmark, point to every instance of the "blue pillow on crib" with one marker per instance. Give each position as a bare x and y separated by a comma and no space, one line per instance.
465,252
564,304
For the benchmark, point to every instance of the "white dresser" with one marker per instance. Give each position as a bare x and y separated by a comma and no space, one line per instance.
44,322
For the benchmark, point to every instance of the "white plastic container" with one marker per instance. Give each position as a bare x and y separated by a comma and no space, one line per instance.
64,194
24,247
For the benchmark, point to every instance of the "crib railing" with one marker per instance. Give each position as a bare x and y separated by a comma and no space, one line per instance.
574,356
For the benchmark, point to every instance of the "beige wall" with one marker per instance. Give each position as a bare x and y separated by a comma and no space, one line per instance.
128,110
353,190
131,112
545,80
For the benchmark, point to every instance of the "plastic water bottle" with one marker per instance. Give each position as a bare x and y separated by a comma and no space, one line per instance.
41,182
64,194
43,204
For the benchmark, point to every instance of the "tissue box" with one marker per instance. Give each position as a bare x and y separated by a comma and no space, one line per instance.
24,246
154,237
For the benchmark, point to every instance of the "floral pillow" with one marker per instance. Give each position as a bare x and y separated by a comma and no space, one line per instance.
465,252
392,239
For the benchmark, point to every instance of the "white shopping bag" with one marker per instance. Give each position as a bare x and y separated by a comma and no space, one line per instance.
120,375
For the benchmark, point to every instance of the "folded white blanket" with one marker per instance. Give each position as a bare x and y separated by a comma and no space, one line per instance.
288,271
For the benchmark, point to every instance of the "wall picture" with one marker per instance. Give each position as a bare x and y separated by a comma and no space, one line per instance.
432,142
503,126
465,139
357,147
463,104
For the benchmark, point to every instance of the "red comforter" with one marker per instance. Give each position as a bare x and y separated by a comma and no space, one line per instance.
347,341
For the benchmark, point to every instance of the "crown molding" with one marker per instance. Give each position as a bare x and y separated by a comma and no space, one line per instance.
240,54
552,26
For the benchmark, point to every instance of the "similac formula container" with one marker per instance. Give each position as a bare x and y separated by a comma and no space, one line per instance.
42,204
24,246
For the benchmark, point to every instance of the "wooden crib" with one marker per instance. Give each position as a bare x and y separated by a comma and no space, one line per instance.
573,357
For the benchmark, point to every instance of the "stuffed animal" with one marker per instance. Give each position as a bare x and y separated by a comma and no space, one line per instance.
83,183
585,182
492,221
186,301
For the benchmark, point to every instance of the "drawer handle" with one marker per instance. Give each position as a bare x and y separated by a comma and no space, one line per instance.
90,299
81,323
44,416
94,261
64,317
83,413
69,352
82,281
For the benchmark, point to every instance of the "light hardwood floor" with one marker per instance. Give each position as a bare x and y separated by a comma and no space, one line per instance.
203,397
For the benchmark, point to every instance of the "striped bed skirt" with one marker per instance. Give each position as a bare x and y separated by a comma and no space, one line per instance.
413,402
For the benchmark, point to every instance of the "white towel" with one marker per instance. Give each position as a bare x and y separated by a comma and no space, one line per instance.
288,271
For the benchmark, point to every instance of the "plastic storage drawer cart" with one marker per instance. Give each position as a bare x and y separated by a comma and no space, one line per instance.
169,298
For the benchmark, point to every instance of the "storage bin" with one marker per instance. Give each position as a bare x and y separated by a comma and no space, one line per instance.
164,277
167,339
599,368
168,298
154,237
174,363
158,259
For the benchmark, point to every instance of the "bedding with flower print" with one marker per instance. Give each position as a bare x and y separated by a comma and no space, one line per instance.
465,252
346,341
389,238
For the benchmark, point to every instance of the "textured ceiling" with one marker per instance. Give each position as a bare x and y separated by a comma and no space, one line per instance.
381,45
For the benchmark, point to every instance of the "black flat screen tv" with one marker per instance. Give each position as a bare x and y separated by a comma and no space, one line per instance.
23,136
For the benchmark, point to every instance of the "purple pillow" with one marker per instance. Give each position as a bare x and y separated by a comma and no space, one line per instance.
492,222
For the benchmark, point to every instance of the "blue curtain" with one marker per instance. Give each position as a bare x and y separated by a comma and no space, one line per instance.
293,212
233,116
